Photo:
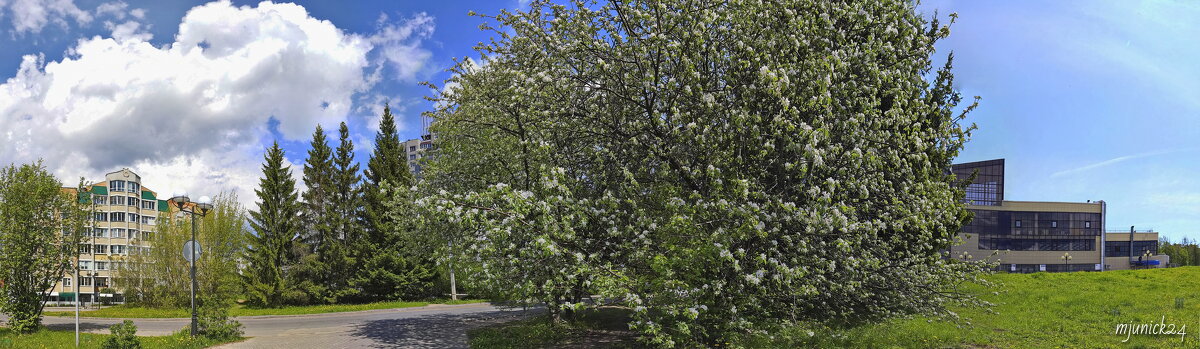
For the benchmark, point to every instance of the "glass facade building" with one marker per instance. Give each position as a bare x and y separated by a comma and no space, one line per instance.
1028,236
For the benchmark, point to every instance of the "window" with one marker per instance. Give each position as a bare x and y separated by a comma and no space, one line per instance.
116,200
412,157
101,265
101,282
133,218
87,232
426,145
134,187
1054,224
412,148
134,202
147,204
100,199
101,249
85,281
1087,224
1018,225
101,217
101,232
116,216
116,232
66,282
118,249
116,185
147,235
147,220
85,249
85,265
133,234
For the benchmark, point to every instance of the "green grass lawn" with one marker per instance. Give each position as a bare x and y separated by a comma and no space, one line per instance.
1043,310
133,312
602,328
66,339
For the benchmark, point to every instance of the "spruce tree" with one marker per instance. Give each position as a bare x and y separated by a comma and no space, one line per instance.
276,224
386,270
313,274
387,164
347,206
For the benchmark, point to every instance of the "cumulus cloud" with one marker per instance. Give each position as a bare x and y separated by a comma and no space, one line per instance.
30,16
193,114
400,44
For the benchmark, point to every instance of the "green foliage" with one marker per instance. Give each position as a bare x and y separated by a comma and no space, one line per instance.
222,234
719,168
213,321
345,218
124,336
387,164
312,274
1183,253
390,266
40,229
276,224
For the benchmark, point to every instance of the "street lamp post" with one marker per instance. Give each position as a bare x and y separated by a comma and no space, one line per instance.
181,201
1146,259
1066,257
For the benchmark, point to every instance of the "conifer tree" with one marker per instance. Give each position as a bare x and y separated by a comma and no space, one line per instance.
312,275
276,224
386,269
347,206
388,164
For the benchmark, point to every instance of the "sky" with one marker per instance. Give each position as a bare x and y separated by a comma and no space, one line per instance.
1086,100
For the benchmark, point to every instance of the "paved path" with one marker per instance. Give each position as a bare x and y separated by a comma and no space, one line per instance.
434,326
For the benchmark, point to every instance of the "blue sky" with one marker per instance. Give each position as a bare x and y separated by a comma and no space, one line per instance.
1087,100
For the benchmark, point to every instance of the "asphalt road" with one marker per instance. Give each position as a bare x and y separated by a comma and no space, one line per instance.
434,326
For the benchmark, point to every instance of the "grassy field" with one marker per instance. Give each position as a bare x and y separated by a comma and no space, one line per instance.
133,312
604,328
1043,310
66,339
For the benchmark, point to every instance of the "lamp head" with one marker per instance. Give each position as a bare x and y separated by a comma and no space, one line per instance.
180,198
205,204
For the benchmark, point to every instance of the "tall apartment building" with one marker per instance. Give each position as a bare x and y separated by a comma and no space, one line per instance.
124,217
414,151
1033,236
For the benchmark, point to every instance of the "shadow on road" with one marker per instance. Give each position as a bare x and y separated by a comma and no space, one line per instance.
431,331
83,326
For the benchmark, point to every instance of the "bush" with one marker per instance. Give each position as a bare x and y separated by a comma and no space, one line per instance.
124,336
214,322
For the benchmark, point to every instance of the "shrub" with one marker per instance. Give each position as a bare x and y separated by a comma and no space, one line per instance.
124,336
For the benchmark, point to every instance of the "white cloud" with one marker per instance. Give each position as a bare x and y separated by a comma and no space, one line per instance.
30,16
191,114
400,44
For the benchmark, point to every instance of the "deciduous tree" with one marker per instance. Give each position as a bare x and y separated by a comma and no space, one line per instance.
40,229
718,167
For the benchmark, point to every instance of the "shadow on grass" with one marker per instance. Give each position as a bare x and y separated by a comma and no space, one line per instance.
432,331
605,327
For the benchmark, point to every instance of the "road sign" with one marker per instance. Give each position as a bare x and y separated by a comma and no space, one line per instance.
187,250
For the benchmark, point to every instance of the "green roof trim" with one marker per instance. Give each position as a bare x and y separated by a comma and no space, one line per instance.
99,190
162,206
147,195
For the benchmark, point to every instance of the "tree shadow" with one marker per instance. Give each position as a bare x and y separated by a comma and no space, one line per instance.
433,331
84,326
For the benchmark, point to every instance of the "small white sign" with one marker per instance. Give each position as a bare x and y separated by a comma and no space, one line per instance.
187,250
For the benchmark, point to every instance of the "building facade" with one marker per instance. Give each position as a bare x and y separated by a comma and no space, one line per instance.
1030,236
124,216
414,151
